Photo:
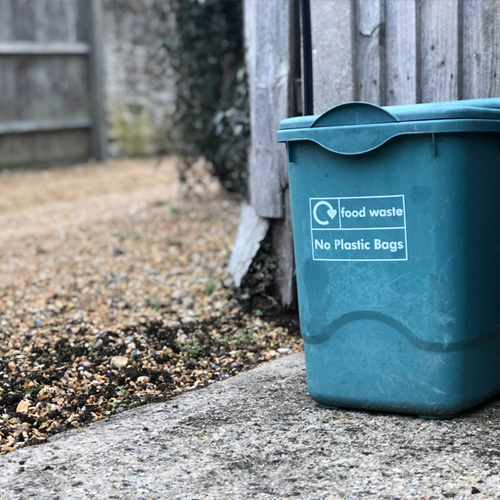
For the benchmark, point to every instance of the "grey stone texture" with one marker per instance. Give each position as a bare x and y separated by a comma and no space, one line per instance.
139,84
259,435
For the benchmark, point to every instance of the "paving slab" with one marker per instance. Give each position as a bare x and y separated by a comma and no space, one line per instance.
259,435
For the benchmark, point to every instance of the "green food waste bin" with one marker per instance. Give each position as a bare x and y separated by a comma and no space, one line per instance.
396,222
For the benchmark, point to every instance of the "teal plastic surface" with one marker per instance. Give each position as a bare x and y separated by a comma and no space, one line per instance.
358,127
397,245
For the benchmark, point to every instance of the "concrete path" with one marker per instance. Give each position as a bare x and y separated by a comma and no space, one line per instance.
259,435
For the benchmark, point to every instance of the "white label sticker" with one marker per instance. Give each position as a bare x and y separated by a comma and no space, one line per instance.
371,228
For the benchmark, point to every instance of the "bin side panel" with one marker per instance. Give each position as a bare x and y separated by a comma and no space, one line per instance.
435,290
368,366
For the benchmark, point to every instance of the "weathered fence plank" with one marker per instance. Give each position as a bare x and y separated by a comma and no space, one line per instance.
55,20
43,48
44,88
283,252
39,20
52,81
96,77
28,127
5,20
481,48
268,33
44,148
23,19
251,231
370,71
272,56
401,52
438,51
332,41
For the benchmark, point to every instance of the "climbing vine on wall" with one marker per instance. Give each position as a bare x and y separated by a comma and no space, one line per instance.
206,55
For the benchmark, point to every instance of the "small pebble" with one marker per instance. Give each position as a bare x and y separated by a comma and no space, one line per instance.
187,302
23,406
119,361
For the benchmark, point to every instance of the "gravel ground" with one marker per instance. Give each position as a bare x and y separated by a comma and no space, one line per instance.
114,293
258,435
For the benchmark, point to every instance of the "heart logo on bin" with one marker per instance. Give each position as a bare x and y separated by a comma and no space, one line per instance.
331,212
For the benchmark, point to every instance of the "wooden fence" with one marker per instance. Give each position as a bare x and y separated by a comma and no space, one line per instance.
405,51
51,90
380,51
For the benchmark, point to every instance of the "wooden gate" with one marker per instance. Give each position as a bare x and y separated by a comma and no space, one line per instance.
51,89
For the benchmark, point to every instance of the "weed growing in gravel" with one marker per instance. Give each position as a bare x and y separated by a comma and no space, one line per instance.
189,345
195,350
245,336
31,390
209,287
153,302
91,350
121,391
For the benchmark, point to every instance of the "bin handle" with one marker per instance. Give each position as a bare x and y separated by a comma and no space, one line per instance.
354,113
355,128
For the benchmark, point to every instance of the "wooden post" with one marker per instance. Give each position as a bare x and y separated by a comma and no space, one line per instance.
268,32
96,70
272,57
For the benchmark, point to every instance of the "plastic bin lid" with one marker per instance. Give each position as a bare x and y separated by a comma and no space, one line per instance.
359,127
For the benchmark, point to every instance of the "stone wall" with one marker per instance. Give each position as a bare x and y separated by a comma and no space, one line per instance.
139,87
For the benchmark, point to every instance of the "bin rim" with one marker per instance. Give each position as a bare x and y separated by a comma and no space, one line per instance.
357,127
348,113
